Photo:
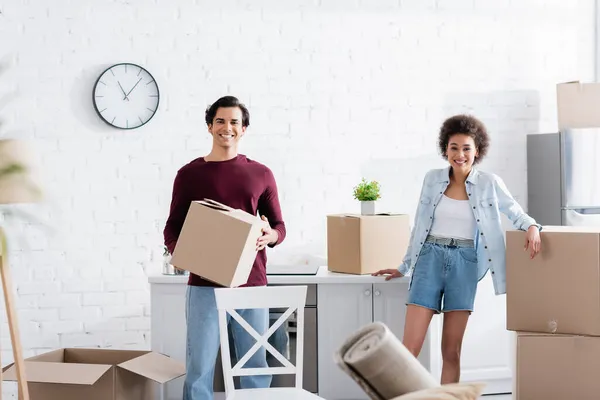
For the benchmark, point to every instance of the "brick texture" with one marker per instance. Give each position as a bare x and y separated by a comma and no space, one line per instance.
337,90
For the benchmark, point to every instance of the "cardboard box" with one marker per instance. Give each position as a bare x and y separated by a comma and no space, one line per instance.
358,244
578,105
557,367
559,290
218,243
96,374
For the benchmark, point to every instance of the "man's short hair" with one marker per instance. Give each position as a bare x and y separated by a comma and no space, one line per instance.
226,102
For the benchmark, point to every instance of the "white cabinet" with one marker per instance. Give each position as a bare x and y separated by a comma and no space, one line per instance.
351,307
168,327
345,303
342,309
345,308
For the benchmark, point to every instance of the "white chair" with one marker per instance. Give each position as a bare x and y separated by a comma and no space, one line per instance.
291,297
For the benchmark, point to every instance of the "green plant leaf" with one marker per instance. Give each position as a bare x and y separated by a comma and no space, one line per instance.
367,190
12,169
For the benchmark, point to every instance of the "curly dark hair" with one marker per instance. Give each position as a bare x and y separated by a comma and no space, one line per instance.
225,102
466,125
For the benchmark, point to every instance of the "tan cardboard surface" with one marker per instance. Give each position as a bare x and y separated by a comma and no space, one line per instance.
56,372
51,356
100,356
343,244
557,367
218,243
578,105
102,390
358,244
559,290
132,386
155,366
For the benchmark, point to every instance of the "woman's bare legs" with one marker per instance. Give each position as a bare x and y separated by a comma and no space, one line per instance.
455,323
416,325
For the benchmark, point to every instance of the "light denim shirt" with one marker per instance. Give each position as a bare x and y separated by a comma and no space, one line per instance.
488,197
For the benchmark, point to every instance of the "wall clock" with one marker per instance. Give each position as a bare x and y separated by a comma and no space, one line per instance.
126,96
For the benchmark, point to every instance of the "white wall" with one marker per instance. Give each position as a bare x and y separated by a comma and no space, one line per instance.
597,12
337,90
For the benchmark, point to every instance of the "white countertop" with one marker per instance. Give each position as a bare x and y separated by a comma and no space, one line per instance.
323,276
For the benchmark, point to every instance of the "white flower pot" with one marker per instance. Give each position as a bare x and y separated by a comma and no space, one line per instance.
367,207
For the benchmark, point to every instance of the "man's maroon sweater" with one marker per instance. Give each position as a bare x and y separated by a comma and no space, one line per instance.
239,183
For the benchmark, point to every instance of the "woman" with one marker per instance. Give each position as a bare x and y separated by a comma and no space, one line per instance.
457,236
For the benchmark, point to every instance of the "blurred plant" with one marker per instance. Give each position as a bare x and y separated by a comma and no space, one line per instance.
17,184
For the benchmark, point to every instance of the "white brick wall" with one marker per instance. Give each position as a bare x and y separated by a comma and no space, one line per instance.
337,90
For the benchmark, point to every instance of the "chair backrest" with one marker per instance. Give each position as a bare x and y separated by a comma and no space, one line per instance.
291,298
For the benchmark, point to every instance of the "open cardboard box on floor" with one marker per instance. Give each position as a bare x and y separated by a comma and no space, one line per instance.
96,374
363,244
559,290
218,243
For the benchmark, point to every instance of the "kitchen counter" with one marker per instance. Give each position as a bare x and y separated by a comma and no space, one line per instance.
343,304
338,306
323,276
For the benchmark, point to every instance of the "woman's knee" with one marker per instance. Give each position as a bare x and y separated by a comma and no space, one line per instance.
414,348
451,354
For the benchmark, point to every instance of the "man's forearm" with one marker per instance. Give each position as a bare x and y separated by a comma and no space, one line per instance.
170,238
279,231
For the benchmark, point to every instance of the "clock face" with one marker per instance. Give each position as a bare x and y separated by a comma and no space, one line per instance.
126,96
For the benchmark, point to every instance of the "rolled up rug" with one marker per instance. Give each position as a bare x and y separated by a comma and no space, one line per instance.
381,365
451,391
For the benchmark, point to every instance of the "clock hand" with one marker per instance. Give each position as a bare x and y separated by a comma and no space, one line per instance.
133,87
124,98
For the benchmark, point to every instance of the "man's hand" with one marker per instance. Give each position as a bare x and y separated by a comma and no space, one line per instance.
269,236
391,273
533,242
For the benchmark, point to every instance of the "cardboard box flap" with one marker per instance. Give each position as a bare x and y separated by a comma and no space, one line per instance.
157,367
215,205
51,356
238,214
56,372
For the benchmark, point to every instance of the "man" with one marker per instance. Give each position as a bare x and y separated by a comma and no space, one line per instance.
235,180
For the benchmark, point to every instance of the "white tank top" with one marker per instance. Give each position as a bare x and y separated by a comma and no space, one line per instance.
453,219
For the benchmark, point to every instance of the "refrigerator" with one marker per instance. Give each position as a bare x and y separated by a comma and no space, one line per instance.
563,177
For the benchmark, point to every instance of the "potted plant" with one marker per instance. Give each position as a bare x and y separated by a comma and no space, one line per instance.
367,192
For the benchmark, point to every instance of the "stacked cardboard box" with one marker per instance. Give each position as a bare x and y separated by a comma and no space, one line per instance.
553,301
363,244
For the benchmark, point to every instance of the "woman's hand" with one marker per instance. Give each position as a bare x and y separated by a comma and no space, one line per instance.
533,242
391,273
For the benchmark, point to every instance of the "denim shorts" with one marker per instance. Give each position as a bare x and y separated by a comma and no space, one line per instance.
444,278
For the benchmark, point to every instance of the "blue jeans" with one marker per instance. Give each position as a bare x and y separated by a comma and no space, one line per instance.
444,278
203,343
